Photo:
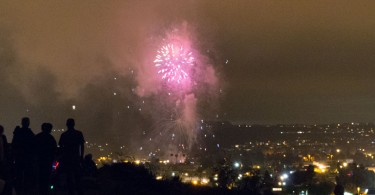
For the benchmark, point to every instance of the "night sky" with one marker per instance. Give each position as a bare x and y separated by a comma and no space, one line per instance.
277,61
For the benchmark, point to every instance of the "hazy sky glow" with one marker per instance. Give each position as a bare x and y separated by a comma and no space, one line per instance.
275,61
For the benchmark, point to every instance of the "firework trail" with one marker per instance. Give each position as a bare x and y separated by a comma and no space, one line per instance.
176,124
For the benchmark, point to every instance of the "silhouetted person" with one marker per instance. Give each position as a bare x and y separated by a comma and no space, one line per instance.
3,146
89,166
46,147
3,153
72,148
6,184
23,149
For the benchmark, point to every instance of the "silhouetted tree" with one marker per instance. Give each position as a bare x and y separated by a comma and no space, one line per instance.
339,189
226,173
268,182
125,178
250,184
355,175
322,188
303,177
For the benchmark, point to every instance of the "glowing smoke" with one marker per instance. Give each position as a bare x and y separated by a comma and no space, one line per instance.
180,81
95,55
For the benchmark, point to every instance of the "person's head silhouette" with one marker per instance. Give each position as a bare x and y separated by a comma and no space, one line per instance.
1,130
70,123
25,122
47,127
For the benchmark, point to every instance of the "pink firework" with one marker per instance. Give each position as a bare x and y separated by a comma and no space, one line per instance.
174,63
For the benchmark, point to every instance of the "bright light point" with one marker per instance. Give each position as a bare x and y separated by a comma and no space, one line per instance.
237,164
73,107
277,189
284,176
114,93
205,181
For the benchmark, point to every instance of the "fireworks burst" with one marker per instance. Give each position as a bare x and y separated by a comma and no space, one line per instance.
174,63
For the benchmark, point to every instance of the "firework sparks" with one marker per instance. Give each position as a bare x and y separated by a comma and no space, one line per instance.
174,63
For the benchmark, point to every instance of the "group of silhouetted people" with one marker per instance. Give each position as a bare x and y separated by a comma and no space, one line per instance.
26,164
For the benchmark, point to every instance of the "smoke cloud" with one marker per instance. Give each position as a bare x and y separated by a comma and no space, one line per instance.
93,55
